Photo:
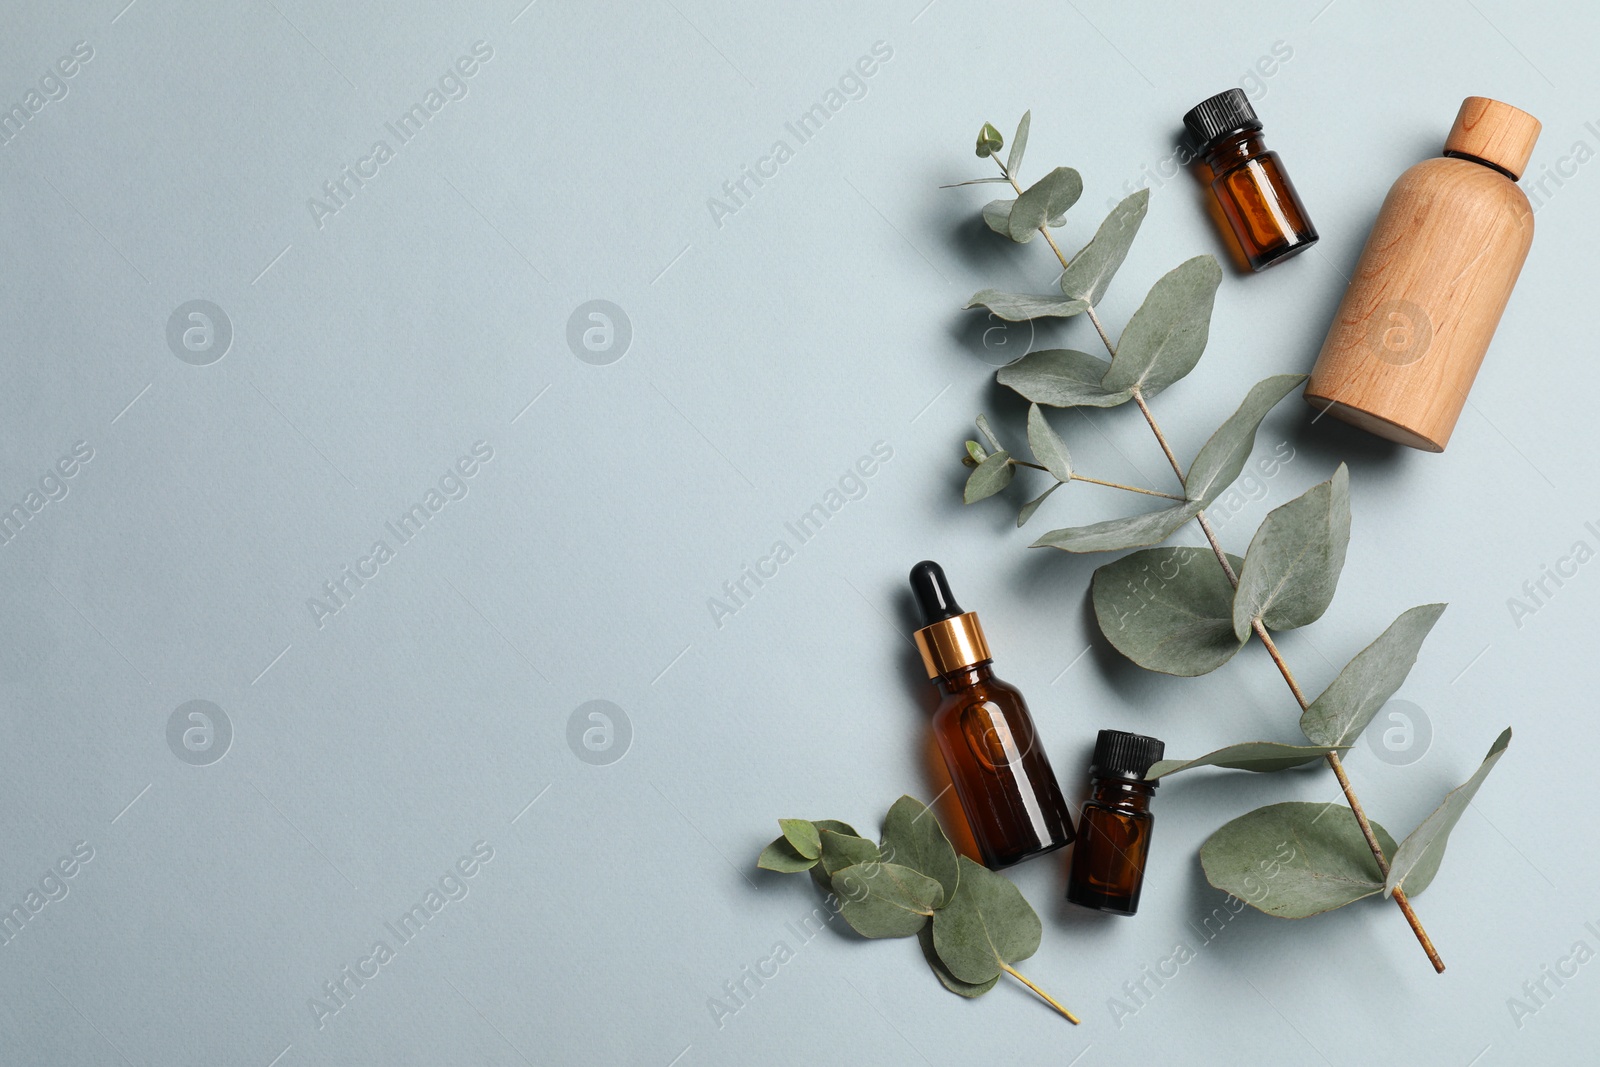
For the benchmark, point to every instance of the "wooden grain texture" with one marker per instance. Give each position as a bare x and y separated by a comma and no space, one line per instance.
1423,304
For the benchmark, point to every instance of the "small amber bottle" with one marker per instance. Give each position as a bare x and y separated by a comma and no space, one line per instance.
1249,182
1013,803
1114,831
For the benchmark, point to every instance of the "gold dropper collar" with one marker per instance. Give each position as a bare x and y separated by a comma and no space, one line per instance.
951,644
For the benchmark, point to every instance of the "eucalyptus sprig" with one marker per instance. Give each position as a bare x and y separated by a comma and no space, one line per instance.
973,923
1186,610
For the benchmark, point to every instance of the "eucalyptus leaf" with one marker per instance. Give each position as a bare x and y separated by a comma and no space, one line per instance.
997,214
975,450
982,422
986,925
1164,339
1292,566
990,476
1019,143
1223,457
1168,609
1042,201
835,826
913,838
1019,307
1416,861
886,899
989,141
1027,510
840,849
1113,535
1347,706
1091,270
1062,378
803,836
781,856
1295,859
1048,448
1260,756
948,980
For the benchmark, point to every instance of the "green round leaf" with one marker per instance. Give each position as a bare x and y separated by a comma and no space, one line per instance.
986,925
1166,336
1062,378
803,836
781,856
991,476
948,980
1168,609
913,838
1295,859
886,899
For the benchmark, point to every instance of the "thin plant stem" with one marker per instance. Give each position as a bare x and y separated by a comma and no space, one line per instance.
1046,997
1333,759
1076,477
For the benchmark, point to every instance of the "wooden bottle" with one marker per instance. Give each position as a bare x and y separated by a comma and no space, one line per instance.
1432,281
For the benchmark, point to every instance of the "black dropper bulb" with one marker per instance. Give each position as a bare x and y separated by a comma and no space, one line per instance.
933,594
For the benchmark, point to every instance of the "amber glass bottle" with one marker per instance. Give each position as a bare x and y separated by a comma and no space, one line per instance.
1002,777
1114,830
1251,186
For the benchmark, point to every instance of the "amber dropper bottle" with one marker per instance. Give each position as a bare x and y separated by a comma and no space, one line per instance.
1001,775
1251,186
1114,832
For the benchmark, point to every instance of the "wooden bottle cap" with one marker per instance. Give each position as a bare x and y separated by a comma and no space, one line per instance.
1495,133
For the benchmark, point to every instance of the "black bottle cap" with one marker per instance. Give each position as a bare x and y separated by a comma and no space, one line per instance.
1213,119
932,591
1119,754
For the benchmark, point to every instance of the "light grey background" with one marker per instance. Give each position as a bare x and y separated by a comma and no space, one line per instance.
770,349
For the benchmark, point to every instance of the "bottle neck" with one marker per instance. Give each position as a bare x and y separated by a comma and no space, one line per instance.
1234,149
1451,153
1122,793
965,677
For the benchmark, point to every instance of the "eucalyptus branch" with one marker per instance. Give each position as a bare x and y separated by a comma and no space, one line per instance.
1167,614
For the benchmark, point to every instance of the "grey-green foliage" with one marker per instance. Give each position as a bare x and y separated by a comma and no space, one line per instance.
803,835
1112,535
980,922
985,926
1416,861
1062,378
1165,337
989,477
1295,859
1168,609
1049,451
1292,566
912,835
1259,756
1344,709
1176,609
1019,143
1018,307
1044,200
886,899
1222,458
1089,273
